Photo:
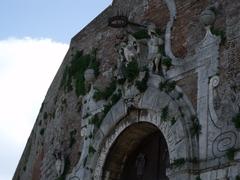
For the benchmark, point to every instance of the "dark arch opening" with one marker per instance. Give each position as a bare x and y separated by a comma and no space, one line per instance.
139,153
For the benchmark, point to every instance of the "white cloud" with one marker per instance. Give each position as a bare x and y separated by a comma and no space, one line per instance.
27,68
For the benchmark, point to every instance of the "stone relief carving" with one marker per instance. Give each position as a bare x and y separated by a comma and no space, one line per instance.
59,164
214,82
206,63
223,142
128,51
154,44
226,135
140,165
220,134
89,108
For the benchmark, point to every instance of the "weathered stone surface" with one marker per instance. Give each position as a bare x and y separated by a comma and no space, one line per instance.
194,115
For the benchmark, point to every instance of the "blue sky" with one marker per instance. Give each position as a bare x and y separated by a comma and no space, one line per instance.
59,20
34,38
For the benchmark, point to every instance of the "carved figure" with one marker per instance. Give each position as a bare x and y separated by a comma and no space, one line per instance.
128,50
154,43
59,164
121,60
140,164
131,49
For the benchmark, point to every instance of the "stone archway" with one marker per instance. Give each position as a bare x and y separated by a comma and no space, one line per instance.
182,145
140,152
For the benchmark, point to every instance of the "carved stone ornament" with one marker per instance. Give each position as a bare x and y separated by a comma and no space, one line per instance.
89,75
207,17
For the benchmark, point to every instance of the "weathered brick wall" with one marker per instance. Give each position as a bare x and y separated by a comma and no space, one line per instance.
64,110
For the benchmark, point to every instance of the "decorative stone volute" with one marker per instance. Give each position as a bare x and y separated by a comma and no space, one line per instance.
207,17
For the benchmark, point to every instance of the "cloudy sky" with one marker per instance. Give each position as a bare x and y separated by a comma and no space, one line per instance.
34,37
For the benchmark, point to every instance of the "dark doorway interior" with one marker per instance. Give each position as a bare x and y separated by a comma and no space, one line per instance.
139,153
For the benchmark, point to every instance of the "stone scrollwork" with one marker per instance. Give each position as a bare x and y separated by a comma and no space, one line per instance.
223,142
214,81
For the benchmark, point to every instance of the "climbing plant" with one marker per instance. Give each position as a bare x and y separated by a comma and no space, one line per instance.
164,113
196,127
167,62
131,70
98,95
236,120
220,33
141,34
231,153
167,86
74,73
178,162
142,85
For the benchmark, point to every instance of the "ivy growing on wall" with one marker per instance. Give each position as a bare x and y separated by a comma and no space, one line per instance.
74,73
178,162
219,33
91,150
41,132
131,71
167,86
94,64
72,138
95,120
173,120
179,96
164,113
198,178
142,34
98,95
236,120
116,97
167,62
142,85
196,127
231,153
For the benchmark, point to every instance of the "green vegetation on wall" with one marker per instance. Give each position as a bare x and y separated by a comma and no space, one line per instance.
178,162
98,118
75,72
198,178
219,33
95,120
91,150
99,95
72,138
167,86
142,85
231,153
164,113
131,71
236,120
142,34
167,62
196,127
42,130
116,97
